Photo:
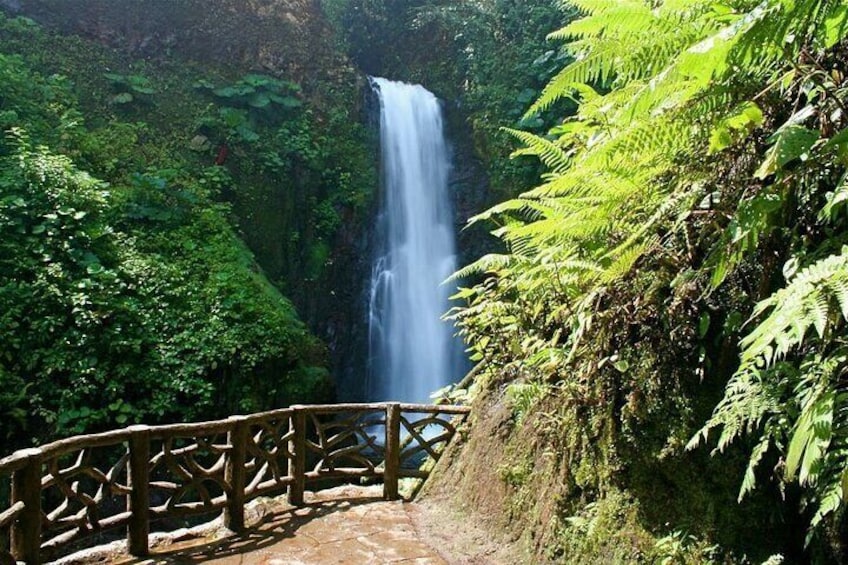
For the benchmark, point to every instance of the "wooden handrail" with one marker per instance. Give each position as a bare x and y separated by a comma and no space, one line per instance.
70,489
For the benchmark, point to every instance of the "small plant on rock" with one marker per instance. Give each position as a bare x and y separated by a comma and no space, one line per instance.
130,88
256,91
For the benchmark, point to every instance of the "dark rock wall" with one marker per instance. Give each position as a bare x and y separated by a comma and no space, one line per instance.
287,36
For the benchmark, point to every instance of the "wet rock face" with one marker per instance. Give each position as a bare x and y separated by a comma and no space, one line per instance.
471,190
287,36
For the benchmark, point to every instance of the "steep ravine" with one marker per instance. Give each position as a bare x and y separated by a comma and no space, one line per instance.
326,274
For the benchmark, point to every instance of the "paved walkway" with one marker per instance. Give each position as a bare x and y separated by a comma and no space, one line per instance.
350,525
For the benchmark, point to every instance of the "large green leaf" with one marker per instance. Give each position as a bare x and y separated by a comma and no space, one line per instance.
741,122
789,143
836,26
259,100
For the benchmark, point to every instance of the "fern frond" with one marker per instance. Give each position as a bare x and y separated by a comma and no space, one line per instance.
804,410
624,260
486,264
617,20
548,152
589,67
804,303
514,205
592,7
811,436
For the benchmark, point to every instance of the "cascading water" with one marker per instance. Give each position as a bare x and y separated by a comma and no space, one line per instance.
412,352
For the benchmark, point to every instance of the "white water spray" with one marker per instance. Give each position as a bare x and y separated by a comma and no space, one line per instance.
412,352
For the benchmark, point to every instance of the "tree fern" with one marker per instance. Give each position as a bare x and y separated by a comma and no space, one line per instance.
666,91
626,41
610,21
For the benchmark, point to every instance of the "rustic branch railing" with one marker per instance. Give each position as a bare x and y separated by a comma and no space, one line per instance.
70,490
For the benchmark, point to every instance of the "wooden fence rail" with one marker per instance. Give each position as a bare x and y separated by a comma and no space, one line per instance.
65,493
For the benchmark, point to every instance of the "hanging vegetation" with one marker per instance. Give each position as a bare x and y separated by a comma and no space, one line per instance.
706,163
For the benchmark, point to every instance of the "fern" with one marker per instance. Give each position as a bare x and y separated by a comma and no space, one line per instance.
487,264
624,41
551,155
764,392
665,88
806,303
610,22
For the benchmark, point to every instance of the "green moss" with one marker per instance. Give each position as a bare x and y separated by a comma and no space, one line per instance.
515,475
604,531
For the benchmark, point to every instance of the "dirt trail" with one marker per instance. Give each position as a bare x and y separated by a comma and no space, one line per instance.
347,525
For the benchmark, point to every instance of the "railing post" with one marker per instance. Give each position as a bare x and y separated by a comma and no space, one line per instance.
235,473
297,464
138,529
391,467
26,530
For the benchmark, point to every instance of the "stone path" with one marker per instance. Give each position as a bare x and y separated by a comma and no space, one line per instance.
350,525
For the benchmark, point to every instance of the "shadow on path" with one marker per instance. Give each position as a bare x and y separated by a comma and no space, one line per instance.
343,525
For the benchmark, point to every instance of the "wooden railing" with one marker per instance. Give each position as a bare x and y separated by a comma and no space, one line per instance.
63,494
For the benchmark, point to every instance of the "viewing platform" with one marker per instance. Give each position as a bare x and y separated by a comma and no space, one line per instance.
82,491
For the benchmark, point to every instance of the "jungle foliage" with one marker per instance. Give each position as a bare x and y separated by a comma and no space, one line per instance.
689,232
126,292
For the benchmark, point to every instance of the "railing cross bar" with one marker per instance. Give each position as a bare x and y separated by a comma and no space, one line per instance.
240,467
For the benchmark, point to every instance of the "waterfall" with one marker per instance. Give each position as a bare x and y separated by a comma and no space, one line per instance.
412,352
